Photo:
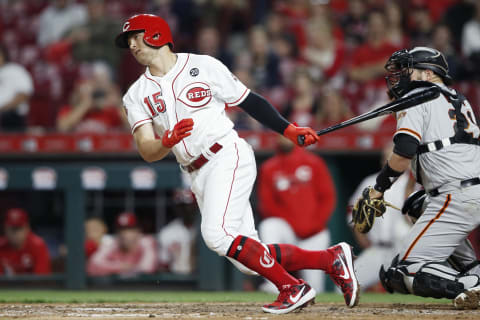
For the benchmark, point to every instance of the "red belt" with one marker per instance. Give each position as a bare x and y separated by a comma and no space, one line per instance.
200,161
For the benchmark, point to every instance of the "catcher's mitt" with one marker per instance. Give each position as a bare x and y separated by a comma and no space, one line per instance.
366,209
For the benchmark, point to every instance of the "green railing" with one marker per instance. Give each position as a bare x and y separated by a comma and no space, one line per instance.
212,272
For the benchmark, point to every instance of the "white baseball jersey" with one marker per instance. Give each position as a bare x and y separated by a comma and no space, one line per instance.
176,242
200,87
197,87
435,120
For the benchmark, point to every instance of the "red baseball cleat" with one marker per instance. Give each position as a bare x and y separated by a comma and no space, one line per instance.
343,274
291,297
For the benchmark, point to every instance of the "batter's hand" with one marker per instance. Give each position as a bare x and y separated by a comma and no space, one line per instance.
180,131
292,132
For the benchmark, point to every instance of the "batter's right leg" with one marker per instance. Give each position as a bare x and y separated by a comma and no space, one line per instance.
225,190
336,261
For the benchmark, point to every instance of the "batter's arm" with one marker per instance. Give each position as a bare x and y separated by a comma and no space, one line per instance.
262,111
149,148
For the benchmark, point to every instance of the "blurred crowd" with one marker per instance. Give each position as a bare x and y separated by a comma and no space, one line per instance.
318,61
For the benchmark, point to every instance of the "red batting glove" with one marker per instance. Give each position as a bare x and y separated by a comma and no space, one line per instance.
292,133
180,131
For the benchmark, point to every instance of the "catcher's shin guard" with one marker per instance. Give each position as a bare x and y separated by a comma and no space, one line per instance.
432,280
396,278
439,281
393,279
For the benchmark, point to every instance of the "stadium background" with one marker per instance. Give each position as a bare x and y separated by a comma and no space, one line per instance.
43,168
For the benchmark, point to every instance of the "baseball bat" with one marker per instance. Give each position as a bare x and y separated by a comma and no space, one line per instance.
394,106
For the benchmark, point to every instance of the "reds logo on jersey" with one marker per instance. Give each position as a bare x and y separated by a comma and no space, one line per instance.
196,95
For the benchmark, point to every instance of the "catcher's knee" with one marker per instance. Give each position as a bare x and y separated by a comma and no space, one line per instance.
432,279
440,281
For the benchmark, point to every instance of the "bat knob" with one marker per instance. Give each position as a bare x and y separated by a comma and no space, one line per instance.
301,140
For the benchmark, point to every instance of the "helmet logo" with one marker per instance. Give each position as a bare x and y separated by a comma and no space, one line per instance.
126,26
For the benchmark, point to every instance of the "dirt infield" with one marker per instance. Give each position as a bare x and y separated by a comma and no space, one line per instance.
220,311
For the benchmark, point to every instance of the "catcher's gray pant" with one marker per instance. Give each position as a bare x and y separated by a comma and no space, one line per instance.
441,230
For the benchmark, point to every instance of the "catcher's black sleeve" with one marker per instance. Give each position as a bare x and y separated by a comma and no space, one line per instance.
405,145
386,178
262,111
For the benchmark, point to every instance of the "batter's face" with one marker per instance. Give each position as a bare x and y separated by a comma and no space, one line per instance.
140,50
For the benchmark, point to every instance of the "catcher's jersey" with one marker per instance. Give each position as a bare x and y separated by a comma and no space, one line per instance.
435,120
197,87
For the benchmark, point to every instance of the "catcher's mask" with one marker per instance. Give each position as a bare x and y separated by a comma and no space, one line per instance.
401,64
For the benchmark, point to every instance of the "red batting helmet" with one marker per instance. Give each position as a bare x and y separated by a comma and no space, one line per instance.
157,31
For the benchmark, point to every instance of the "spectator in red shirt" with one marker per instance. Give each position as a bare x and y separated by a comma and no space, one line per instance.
369,58
95,105
22,251
130,253
367,69
297,197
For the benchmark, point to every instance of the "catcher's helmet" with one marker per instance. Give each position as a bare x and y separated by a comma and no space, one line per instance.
432,59
157,31
401,64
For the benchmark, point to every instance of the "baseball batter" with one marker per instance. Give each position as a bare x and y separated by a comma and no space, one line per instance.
440,139
182,98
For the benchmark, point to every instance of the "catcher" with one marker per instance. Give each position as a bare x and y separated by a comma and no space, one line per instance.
440,139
